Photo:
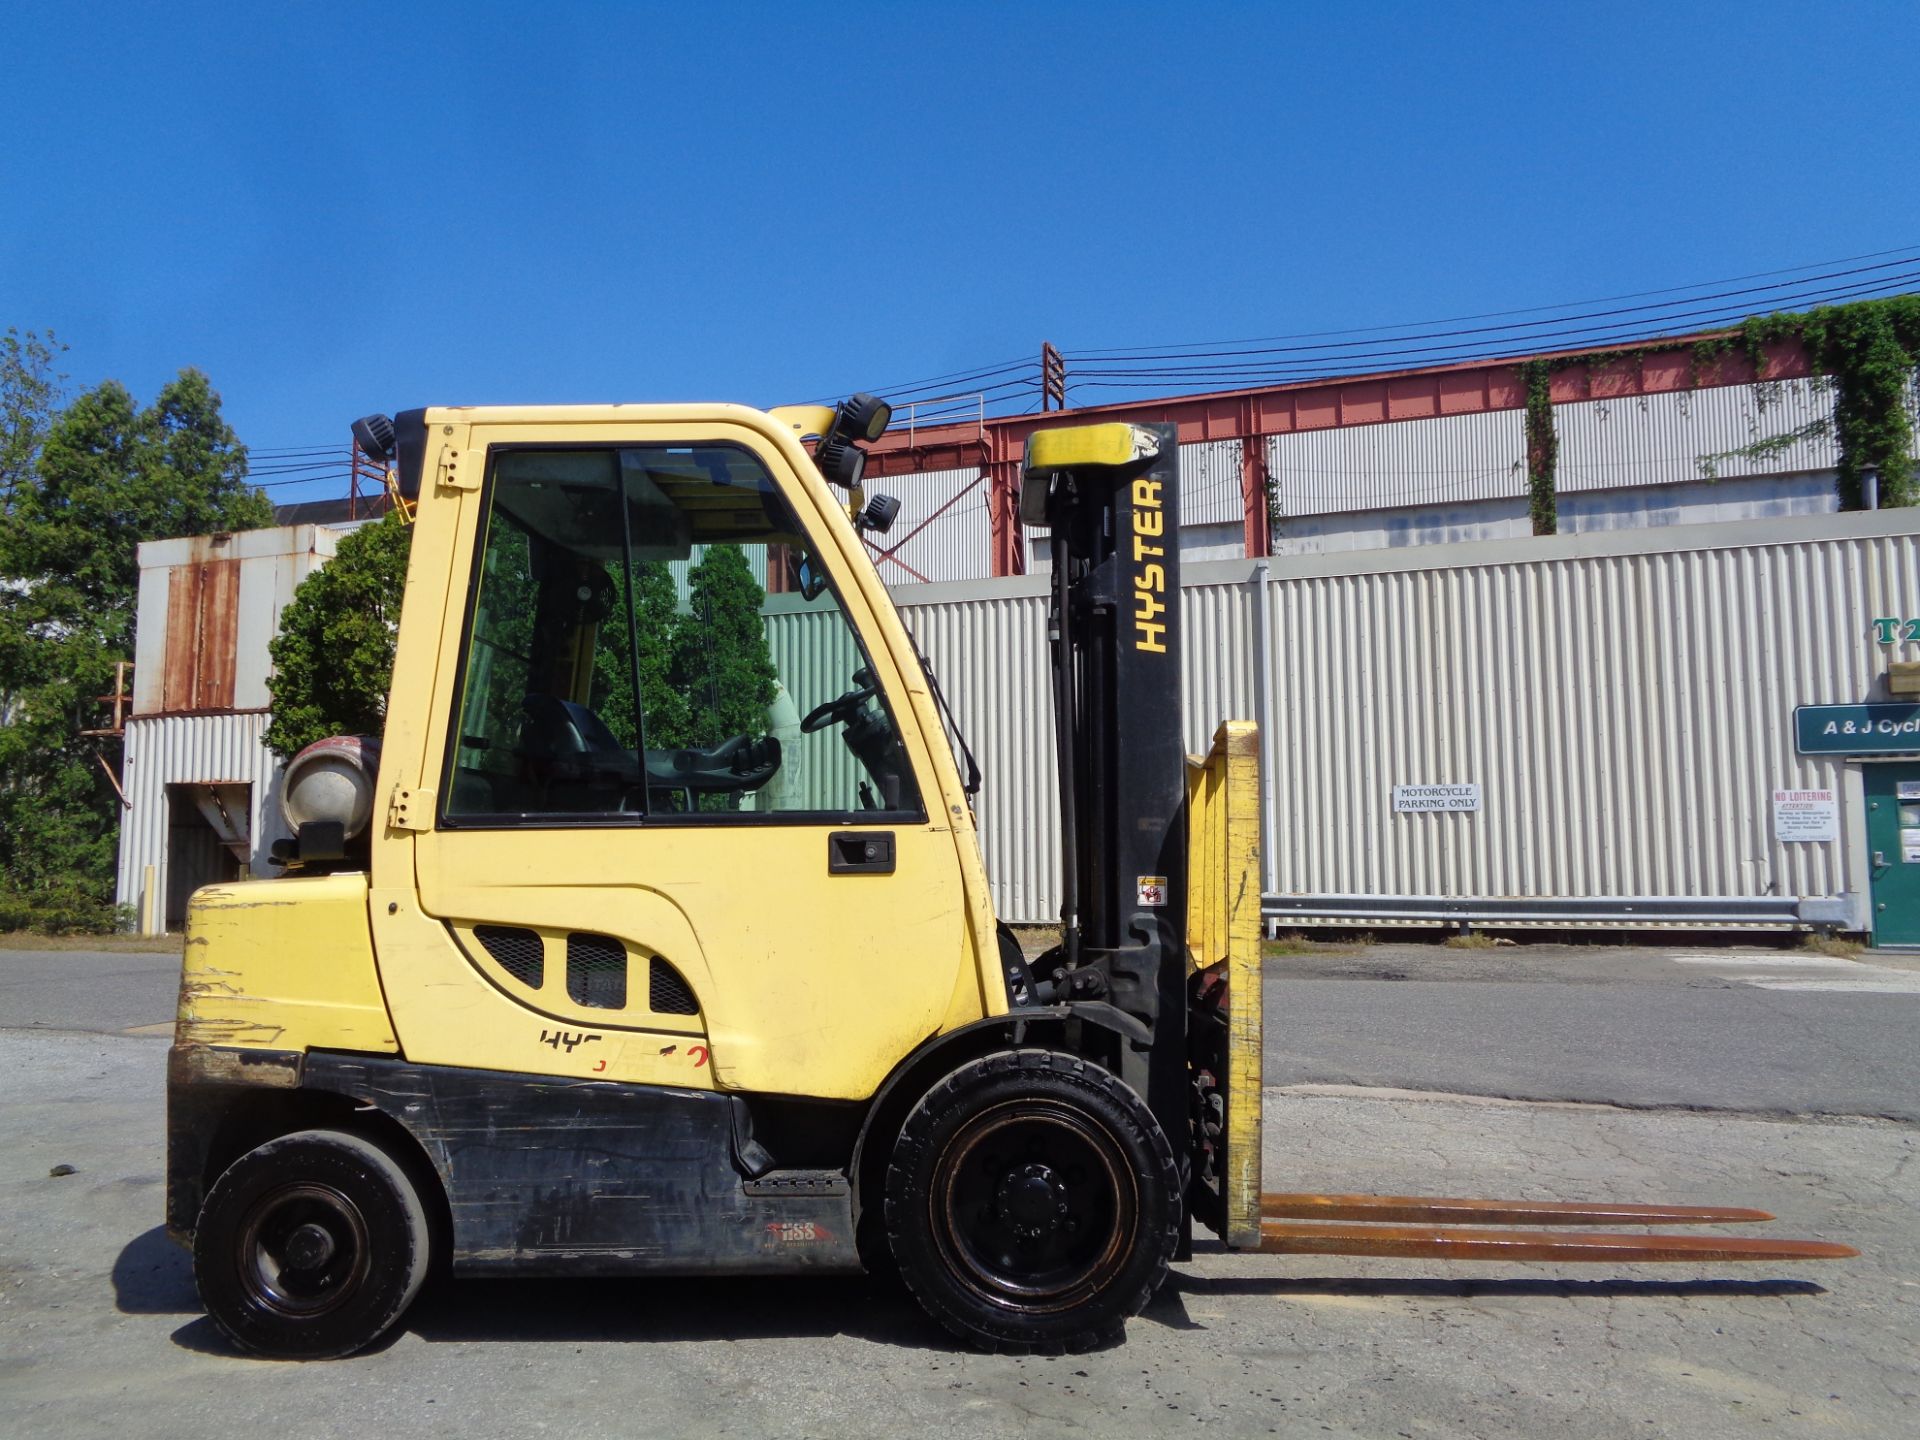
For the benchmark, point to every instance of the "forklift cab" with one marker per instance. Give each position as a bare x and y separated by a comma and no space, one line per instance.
631,745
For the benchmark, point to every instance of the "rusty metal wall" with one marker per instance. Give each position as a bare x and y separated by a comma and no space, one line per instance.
215,658
165,750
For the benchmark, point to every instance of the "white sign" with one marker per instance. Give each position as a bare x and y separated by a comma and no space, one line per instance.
1150,889
1424,799
1805,815
1906,789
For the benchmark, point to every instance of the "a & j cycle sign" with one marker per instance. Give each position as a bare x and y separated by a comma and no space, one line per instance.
1857,729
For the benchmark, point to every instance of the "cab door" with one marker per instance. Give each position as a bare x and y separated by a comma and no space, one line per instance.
680,818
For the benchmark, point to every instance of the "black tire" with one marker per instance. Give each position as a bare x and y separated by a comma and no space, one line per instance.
1033,1202
311,1246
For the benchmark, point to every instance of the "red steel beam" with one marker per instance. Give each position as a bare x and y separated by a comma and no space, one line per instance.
1471,387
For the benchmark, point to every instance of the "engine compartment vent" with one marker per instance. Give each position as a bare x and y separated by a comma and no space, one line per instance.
597,971
668,992
521,953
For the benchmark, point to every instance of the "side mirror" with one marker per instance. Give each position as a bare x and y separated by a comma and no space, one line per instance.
812,581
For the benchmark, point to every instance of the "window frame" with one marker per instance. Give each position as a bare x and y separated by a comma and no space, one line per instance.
646,818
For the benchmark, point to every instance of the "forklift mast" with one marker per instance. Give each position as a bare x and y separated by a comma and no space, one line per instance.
1109,495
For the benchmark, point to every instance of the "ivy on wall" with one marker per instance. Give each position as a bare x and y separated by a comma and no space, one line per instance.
1867,351
1543,446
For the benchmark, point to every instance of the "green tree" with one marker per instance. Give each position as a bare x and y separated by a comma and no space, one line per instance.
720,659
29,398
333,657
106,477
655,613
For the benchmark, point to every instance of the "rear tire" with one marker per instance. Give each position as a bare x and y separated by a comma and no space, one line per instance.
311,1246
1032,1202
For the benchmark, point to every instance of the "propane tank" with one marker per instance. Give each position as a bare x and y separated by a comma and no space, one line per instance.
332,779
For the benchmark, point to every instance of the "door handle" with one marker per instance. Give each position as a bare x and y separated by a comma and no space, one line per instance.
860,852
1880,859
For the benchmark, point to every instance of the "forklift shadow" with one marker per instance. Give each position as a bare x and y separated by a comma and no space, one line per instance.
632,1310
154,1276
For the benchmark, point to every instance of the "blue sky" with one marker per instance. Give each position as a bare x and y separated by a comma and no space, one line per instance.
334,208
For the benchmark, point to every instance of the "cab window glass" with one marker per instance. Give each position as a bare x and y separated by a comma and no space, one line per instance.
626,658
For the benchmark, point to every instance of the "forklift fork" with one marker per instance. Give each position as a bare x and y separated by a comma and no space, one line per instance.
1409,1227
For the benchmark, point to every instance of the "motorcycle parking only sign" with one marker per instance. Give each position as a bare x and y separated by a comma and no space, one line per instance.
1430,799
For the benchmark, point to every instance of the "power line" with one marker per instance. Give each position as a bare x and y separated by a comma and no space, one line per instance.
1144,368
1886,284
1622,332
1527,310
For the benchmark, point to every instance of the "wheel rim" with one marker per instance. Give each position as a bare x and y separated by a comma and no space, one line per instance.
303,1250
1034,1206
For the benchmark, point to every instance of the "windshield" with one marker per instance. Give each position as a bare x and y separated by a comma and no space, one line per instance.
636,648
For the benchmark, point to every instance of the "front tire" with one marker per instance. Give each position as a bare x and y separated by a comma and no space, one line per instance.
311,1246
1033,1201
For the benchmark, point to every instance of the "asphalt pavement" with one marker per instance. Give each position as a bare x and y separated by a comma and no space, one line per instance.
1685,1025
1760,1031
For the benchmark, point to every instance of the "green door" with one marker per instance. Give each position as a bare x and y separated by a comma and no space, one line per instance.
1893,843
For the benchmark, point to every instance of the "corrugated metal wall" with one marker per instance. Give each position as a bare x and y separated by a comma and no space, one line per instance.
1666,439
1210,483
942,531
814,656
990,654
1626,717
1399,463
168,750
1624,701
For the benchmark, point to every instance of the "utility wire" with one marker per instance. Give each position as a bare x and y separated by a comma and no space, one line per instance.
1151,352
1527,310
1677,323
1886,284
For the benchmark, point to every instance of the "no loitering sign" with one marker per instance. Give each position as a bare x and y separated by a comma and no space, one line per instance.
1435,799
1805,815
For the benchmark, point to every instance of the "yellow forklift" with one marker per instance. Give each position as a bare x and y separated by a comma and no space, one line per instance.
652,937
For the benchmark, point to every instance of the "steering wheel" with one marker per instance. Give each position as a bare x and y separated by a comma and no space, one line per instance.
845,707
